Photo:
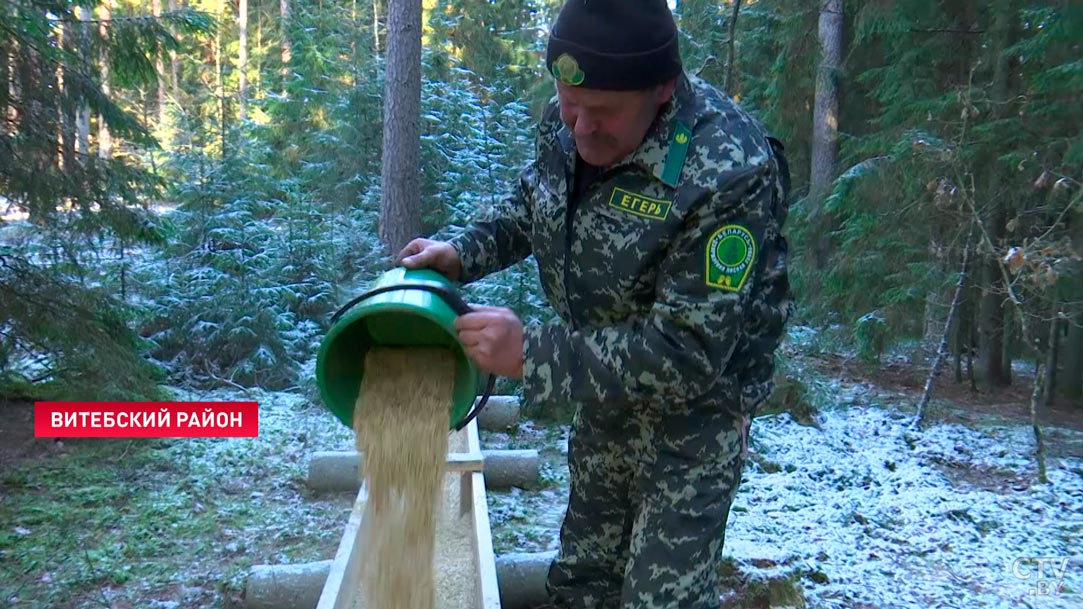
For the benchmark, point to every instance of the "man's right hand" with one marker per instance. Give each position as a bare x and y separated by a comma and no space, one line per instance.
439,256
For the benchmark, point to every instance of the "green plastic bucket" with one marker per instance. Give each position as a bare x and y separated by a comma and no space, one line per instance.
402,308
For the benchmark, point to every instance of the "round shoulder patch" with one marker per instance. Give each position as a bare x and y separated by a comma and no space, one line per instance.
730,252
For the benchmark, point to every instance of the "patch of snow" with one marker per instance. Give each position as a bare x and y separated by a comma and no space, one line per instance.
800,335
11,213
283,415
889,527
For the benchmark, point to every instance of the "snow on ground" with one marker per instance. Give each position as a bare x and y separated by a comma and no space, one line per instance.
529,520
283,416
863,513
948,517
860,512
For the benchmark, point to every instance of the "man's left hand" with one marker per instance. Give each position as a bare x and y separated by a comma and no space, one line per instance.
493,338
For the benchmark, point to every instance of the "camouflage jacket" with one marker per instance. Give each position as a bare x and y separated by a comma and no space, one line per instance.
670,277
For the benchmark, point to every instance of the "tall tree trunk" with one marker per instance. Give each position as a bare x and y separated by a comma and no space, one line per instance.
400,213
219,87
105,140
174,61
34,121
1071,378
287,47
259,52
353,44
1051,359
962,343
146,121
82,125
159,68
825,127
242,57
825,130
994,300
376,26
971,377
6,81
80,41
82,115
732,59
1011,339
65,133
973,317
991,353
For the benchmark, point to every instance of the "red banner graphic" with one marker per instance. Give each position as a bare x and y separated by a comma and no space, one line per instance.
146,419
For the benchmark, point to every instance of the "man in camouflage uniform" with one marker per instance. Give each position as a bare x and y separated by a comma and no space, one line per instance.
654,209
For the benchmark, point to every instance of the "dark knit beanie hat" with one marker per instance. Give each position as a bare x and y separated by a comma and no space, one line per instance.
617,45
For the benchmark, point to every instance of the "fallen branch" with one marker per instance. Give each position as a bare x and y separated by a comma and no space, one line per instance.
960,286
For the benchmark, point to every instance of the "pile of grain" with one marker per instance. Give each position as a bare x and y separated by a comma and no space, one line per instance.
401,421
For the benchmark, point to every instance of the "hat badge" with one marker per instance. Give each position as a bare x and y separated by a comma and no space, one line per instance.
566,69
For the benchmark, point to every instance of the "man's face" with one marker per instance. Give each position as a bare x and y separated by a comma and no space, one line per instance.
610,125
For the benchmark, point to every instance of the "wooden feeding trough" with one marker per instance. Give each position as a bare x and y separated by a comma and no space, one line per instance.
464,565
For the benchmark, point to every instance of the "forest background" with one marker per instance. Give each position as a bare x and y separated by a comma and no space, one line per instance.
190,189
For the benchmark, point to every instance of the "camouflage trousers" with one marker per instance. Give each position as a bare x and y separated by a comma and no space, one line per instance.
650,497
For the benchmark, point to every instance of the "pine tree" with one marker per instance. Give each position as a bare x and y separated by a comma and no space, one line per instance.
64,315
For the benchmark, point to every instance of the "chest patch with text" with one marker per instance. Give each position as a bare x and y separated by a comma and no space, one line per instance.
640,205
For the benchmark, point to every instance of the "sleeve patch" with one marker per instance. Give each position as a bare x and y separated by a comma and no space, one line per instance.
730,252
